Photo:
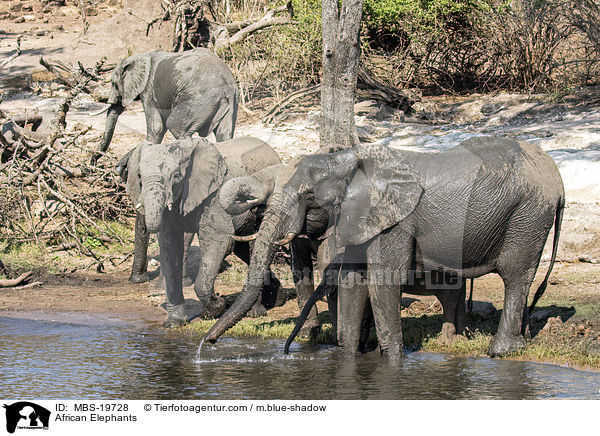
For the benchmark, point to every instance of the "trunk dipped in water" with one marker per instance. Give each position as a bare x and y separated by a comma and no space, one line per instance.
258,272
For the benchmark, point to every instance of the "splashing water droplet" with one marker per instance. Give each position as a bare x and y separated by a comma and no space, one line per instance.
197,357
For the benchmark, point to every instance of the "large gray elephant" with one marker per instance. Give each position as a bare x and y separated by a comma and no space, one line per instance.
486,205
181,187
185,93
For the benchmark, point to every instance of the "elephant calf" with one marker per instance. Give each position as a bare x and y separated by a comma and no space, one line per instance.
178,187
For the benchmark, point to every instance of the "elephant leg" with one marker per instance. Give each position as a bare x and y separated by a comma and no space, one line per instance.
212,253
302,271
509,337
453,305
155,125
225,128
171,261
352,297
139,269
187,243
516,266
385,300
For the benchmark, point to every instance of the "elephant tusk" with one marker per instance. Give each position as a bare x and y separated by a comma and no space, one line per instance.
139,205
287,238
170,207
244,238
100,112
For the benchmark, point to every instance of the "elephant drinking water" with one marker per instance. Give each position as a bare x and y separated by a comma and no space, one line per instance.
486,205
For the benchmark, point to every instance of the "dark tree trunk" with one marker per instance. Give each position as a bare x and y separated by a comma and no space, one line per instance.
341,55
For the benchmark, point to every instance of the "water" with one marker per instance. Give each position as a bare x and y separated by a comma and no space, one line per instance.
101,359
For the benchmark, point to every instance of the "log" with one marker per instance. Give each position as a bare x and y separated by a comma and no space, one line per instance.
9,283
379,91
278,108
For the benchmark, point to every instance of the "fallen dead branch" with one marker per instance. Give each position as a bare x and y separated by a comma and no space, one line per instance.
15,55
279,107
9,283
191,27
50,195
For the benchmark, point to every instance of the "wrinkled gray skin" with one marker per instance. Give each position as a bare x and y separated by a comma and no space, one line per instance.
185,93
484,206
182,187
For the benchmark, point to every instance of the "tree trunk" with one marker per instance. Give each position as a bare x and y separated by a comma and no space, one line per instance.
341,54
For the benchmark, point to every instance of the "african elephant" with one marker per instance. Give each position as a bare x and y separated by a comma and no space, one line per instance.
186,93
486,205
180,187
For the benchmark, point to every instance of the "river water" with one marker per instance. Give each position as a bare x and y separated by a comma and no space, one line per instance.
97,358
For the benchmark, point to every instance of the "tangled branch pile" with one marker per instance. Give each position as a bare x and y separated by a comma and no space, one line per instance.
51,196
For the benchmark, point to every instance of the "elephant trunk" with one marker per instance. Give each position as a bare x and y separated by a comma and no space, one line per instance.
154,204
258,272
240,194
114,111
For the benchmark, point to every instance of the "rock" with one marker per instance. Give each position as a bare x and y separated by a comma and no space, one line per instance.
365,133
366,107
484,309
20,20
384,112
540,315
553,323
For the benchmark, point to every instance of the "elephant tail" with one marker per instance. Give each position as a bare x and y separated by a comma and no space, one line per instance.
321,291
557,223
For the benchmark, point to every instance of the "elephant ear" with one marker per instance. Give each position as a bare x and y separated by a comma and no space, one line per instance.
206,174
382,192
134,72
133,185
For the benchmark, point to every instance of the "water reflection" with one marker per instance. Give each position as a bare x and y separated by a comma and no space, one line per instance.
50,360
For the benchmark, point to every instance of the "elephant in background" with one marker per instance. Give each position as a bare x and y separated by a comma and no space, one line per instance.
486,205
185,93
180,187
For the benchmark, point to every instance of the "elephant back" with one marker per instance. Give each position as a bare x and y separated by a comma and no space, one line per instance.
246,155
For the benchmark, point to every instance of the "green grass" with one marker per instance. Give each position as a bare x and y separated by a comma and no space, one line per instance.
265,327
422,334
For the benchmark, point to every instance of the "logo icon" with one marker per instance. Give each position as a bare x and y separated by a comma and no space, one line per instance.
26,415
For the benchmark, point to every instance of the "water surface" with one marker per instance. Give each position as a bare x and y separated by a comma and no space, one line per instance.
102,359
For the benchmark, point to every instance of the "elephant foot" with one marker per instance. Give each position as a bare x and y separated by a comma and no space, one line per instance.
176,316
503,344
138,277
172,322
310,330
282,298
449,334
257,311
215,308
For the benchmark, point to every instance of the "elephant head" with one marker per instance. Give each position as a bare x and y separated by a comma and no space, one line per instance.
175,176
129,80
240,194
365,190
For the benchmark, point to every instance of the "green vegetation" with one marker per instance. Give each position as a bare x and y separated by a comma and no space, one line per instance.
30,254
265,327
421,333
436,45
